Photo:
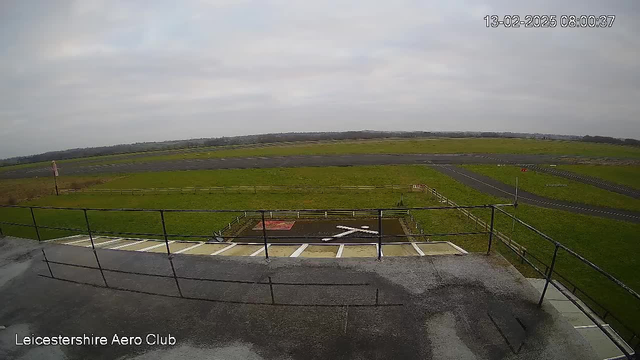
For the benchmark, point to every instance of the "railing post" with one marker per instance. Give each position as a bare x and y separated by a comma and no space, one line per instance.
264,235
379,234
493,213
35,225
164,233
546,284
93,247
166,242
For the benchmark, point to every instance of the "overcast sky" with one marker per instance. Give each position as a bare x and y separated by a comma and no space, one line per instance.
91,73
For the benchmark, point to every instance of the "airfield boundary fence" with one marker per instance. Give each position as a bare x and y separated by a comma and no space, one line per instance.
238,189
550,273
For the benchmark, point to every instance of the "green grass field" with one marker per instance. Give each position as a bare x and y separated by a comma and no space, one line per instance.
440,146
608,243
390,146
537,183
14,190
624,175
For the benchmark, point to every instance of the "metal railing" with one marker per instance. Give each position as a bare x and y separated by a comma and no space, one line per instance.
549,272
379,213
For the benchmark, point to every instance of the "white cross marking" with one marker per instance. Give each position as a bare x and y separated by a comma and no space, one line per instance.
350,230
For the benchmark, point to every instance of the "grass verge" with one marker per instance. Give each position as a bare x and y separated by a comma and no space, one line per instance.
624,175
546,185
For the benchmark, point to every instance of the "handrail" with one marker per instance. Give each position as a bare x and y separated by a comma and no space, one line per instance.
580,257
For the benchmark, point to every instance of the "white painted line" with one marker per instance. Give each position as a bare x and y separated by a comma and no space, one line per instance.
125,245
345,233
154,246
356,229
589,326
224,249
77,241
415,246
299,250
104,243
189,248
340,250
619,357
457,247
259,251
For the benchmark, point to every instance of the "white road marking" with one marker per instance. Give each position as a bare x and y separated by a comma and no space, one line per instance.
340,250
77,241
418,250
189,248
356,229
105,242
457,247
125,245
259,251
590,326
224,249
154,246
299,250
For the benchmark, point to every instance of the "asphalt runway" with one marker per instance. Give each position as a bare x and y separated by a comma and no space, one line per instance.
494,187
82,168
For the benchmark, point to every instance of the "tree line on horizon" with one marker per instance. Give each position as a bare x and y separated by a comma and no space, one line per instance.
291,137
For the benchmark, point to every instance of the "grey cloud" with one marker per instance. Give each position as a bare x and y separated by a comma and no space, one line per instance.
89,73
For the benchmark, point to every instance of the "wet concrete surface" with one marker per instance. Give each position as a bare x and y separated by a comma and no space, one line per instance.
497,188
80,168
247,308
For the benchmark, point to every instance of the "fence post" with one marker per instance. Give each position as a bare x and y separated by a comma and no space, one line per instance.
264,235
379,234
546,284
93,247
164,232
35,225
166,242
493,213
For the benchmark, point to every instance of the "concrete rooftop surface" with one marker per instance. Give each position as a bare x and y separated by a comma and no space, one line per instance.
432,307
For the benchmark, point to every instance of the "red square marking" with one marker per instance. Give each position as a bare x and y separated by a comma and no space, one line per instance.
275,225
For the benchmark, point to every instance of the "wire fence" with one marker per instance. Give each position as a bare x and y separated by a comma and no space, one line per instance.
239,189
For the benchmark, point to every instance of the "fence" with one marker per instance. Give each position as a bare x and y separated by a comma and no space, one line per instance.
624,335
630,336
501,236
378,213
238,189
550,273
279,214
